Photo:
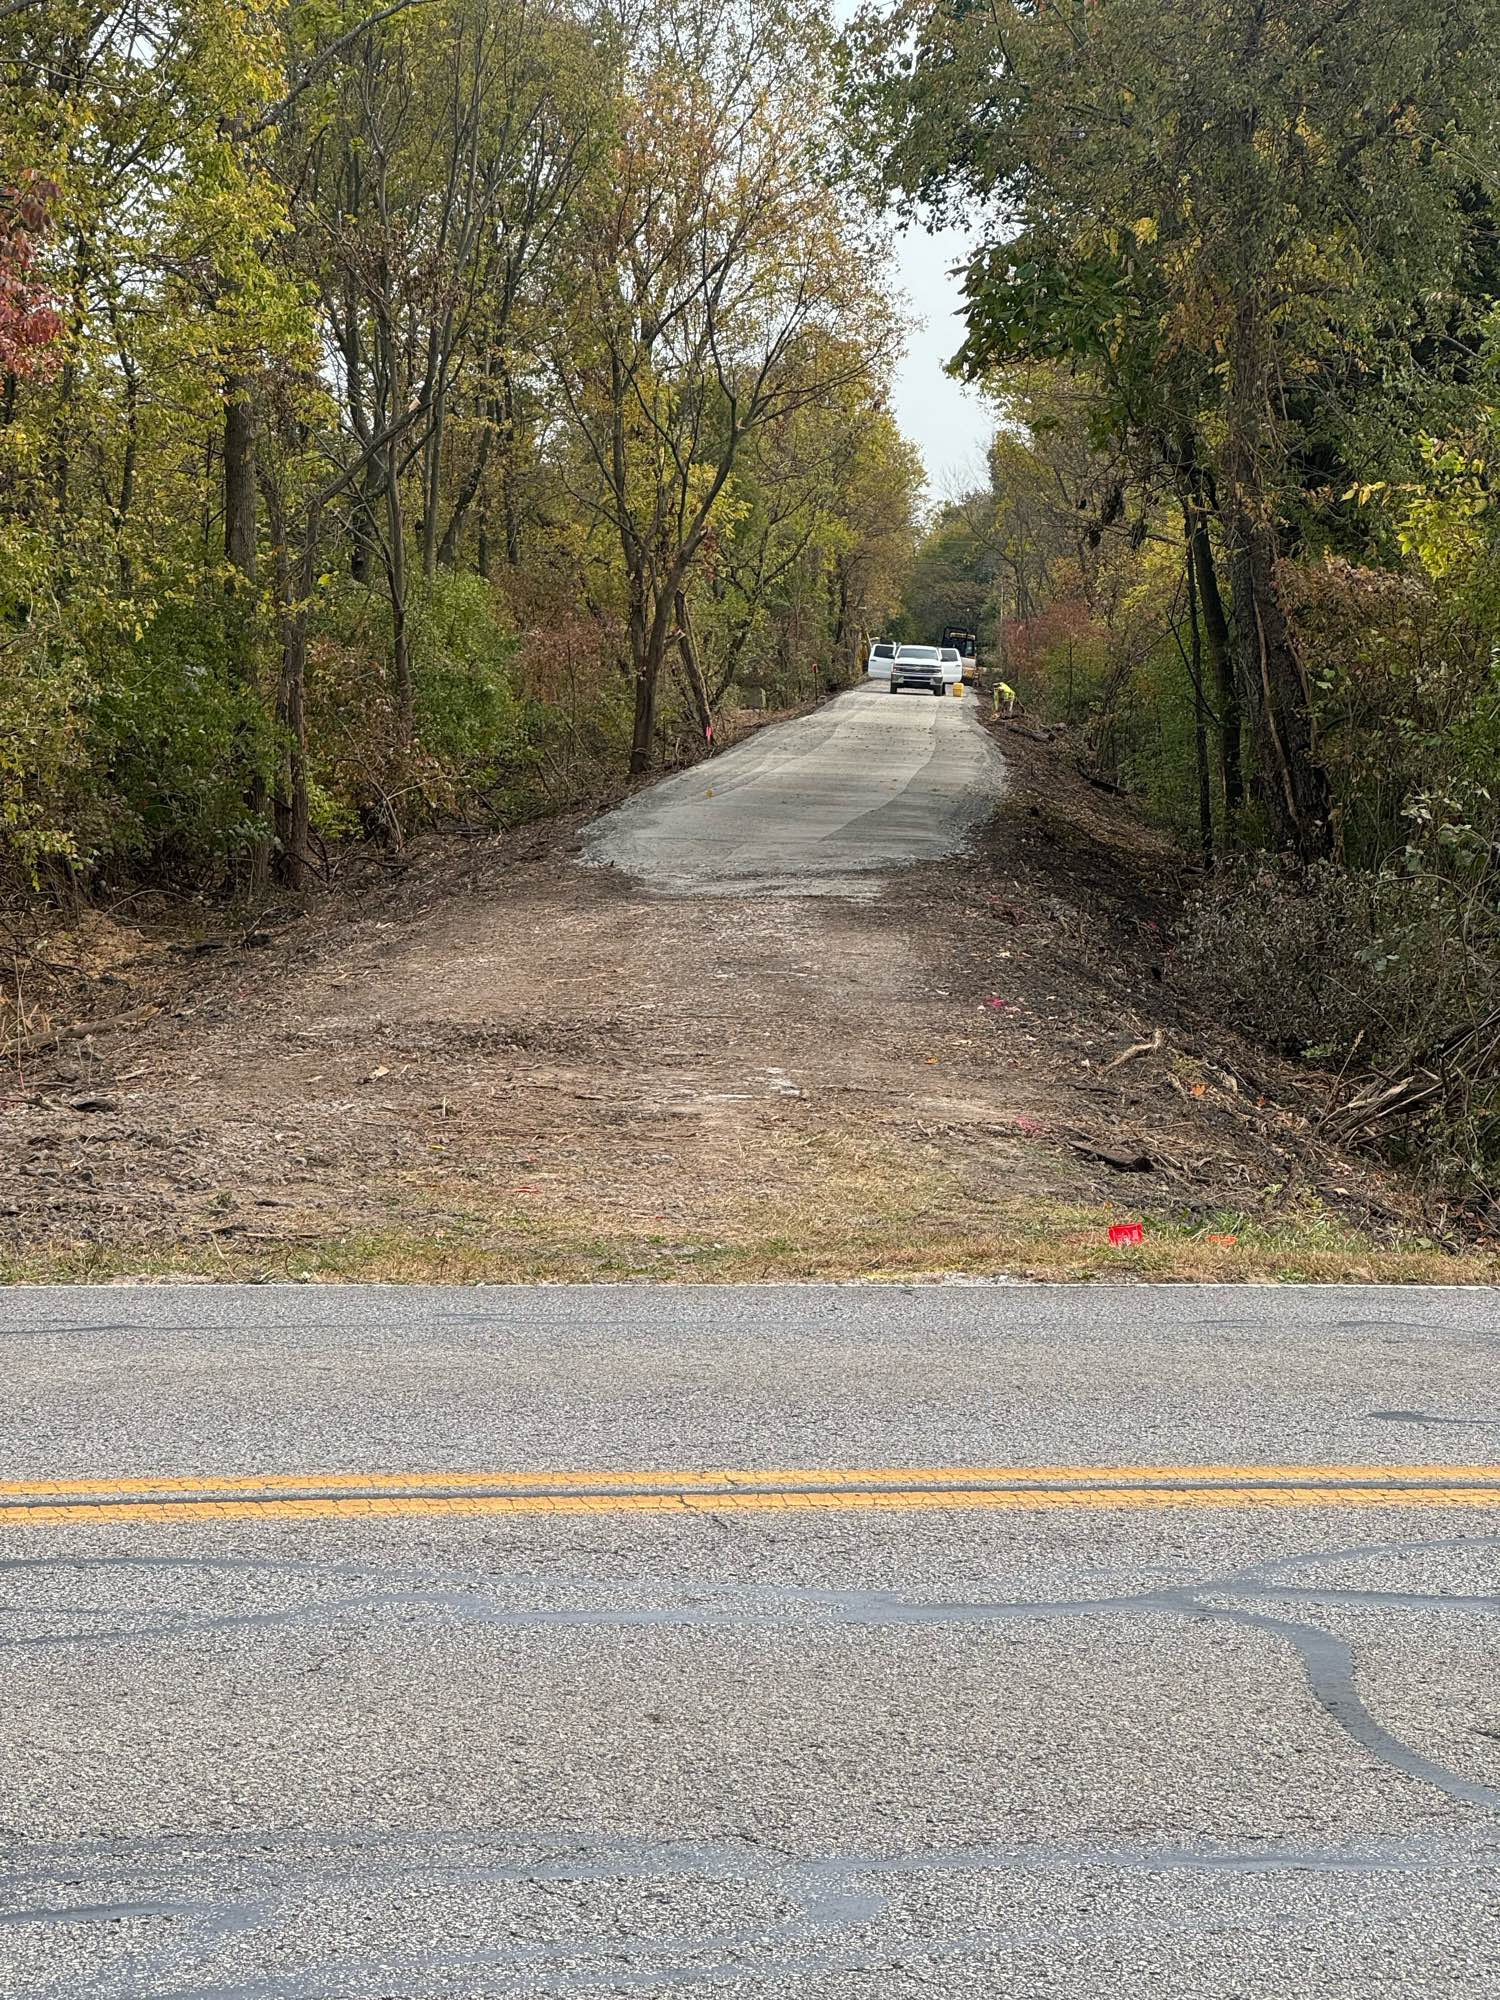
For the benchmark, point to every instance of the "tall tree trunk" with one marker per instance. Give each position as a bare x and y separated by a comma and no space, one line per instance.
364,533
1273,687
242,551
1200,707
432,473
293,817
644,670
395,566
643,733
692,668
293,589
1293,785
509,499
447,553
844,644
240,537
1220,654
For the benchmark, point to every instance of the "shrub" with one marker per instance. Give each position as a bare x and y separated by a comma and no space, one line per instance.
130,748
182,741
473,734
48,806
1392,973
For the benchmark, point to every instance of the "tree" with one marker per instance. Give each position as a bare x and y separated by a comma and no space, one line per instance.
818,538
312,317
952,579
711,275
29,320
1233,245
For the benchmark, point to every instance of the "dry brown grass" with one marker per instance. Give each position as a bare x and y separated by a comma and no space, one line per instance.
1066,1244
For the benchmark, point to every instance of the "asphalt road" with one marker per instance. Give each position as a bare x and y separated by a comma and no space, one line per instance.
818,806
820,1641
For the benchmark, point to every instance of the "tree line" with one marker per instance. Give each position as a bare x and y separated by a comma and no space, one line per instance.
1236,295
416,409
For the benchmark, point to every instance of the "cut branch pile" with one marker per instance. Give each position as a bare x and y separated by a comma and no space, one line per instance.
1463,1077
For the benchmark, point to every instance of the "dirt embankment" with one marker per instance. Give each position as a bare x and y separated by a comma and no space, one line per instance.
502,1064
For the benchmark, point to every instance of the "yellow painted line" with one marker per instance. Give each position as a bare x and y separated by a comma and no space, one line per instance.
270,1483
916,1499
365,1497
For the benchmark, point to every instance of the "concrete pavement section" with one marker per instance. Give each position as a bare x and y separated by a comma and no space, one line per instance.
867,1734
815,807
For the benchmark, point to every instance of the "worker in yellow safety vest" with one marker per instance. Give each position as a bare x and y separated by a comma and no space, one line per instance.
1006,693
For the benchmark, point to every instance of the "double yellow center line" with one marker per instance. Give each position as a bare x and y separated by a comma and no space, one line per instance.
359,1496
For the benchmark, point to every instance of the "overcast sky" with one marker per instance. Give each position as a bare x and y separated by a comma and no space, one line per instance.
949,426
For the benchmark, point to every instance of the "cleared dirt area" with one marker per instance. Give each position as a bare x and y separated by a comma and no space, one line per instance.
502,1063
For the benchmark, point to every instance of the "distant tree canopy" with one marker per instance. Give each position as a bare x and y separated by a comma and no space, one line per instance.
952,577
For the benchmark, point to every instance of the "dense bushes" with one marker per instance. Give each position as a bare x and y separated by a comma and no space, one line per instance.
1381,974
148,752
473,735
1405,674
179,745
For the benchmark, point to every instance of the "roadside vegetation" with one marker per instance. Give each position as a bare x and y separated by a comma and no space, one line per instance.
438,415
417,413
1058,1246
1235,300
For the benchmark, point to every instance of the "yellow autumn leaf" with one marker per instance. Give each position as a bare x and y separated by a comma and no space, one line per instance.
1145,227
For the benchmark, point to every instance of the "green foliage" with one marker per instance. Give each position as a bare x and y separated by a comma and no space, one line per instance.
136,751
181,743
952,578
473,732
45,807
308,517
468,716
1407,690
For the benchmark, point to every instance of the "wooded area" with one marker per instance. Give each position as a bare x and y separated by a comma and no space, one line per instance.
415,410
1236,297
440,411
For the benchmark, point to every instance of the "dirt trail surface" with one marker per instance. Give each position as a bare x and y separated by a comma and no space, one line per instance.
505,1062
819,806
